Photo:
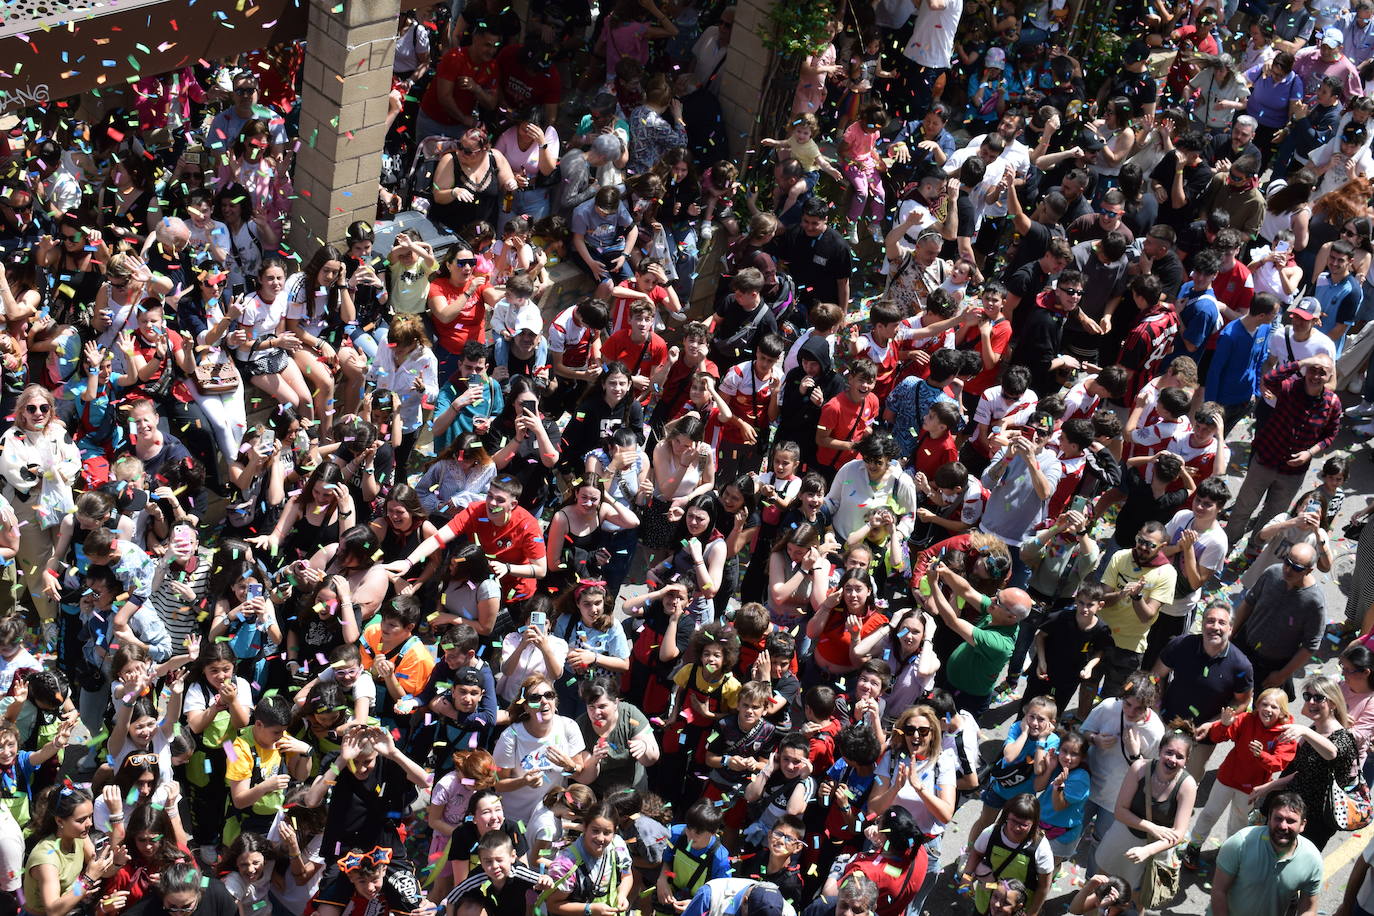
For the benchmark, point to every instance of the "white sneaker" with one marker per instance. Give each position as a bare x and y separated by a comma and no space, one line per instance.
1366,430
1363,409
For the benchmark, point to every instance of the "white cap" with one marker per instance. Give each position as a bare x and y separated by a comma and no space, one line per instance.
996,58
1333,38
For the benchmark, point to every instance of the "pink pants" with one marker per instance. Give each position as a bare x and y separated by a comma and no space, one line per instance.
868,189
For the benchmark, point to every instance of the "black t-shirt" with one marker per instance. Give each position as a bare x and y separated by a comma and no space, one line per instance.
1031,246
816,265
1038,342
1143,506
967,212
734,319
731,739
1195,181
1141,215
214,901
1192,239
1140,88
1169,270
363,813
1067,647
464,843
1027,282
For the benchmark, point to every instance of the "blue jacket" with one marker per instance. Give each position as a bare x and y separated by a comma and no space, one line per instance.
1234,376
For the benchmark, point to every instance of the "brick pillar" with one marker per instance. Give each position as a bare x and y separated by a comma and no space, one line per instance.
349,49
742,75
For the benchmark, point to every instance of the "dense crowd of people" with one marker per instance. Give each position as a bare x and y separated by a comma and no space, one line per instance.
665,541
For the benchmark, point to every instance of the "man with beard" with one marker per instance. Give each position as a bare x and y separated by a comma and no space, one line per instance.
1270,870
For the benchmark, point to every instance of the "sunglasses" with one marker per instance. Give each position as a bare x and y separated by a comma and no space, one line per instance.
246,90
1350,232
37,408
1147,544
1296,567
540,697
1314,697
378,857
465,262
1073,291
75,237
215,284
1113,214
920,731
182,908
119,284
141,760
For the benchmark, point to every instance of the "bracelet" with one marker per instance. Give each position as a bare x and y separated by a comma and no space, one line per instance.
117,818
586,909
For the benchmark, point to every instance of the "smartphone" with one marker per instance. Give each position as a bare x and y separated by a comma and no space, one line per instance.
254,590
267,440
182,535
527,410
1282,248
539,619
1079,504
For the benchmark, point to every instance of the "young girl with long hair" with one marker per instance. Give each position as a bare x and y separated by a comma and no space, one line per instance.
1261,751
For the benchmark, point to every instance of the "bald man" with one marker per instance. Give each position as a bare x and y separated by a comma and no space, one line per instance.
1304,422
973,668
1280,622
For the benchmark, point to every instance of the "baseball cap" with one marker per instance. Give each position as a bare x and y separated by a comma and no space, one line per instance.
1136,51
763,900
1308,307
526,323
1333,38
1089,141
996,59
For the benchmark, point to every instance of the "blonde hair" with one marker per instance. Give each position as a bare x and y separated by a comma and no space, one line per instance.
1328,688
1280,697
123,265
128,469
921,710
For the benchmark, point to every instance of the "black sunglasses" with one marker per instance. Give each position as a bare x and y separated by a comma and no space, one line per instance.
465,262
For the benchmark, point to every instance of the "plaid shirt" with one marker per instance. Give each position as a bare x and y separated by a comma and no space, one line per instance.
1299,422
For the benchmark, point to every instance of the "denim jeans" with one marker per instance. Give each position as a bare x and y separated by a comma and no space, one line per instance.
367,341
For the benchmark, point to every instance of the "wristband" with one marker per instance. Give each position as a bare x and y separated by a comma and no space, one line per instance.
586,909
725,762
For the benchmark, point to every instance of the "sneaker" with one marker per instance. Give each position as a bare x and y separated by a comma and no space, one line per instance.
853,236
1192,858
1366,430
1363,409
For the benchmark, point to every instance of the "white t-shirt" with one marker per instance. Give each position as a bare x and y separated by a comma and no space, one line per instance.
292,895
1210,550
521,752
931,776
932,39
531,662
260,319
505,316
1360,164
1109,764
364,688
1316,343
308,306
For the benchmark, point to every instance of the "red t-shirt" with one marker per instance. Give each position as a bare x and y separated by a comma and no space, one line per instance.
897,886
640,358
521,86
454,65
844,419
833,644
1001,336
520,541
471,321
678,385
620,308
932,454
